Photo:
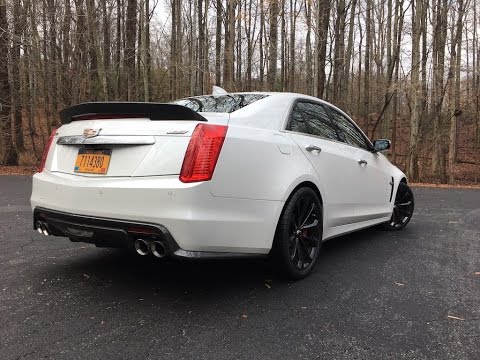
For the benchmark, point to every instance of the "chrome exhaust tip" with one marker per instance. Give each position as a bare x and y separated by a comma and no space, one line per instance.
142,247
38,226
158,249
42,228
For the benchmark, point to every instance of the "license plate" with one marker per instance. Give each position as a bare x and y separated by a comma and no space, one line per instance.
92,161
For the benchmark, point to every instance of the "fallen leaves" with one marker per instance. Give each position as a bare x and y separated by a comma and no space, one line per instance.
18,170
467,185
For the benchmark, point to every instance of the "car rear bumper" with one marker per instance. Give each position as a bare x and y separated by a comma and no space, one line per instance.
193,222
114,233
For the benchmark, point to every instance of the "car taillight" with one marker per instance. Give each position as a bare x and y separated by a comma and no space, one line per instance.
202,153
47,148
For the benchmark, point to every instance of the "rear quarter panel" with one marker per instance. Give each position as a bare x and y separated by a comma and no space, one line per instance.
259,164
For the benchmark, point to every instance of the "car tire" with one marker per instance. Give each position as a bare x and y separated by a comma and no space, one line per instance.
403,208
298,237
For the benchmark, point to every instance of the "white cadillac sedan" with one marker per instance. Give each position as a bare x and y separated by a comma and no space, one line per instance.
229,174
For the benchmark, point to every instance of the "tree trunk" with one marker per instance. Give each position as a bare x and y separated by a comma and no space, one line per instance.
131,34
292,62
145,48
106,49
323,18
283,46
10,156
261,35
52,68
238,59
201,46
66,56
454,83
273,46
173,52
249,35
228,61
218,44
118,51
438,54
415,91
18,24
367,66
308,48
344,83
339,53
95,51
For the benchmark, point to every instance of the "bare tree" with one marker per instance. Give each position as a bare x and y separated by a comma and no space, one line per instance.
10,156
273,45
415,91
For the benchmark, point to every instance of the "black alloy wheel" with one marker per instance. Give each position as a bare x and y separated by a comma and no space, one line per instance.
402,209
299,234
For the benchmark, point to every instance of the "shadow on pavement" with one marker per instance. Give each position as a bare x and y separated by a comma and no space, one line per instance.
127,271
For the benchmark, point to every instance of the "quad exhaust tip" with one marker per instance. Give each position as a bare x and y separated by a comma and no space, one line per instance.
158,249
142,246
42,228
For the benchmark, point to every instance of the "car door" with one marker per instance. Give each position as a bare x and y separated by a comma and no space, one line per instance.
371,178
314,133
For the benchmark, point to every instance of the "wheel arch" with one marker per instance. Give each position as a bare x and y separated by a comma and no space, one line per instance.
304,183
308,184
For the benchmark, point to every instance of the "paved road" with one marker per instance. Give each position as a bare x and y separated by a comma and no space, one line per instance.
374,295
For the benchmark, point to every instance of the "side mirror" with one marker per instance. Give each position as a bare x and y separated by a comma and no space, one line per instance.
382,144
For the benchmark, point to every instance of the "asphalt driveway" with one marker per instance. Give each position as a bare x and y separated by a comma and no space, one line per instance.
413,294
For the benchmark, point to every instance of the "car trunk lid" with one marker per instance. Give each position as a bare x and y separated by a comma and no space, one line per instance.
134,144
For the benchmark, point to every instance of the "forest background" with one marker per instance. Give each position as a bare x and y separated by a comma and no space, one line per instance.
407,70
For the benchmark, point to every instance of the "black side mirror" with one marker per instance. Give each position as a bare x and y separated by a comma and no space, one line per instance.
382,144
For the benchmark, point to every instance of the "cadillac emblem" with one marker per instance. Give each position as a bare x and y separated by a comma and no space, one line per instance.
89,133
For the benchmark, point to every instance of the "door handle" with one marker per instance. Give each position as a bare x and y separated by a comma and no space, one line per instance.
312,148
362,162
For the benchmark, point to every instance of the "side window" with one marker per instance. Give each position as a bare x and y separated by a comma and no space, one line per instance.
297,123
311,118
348,133
317,119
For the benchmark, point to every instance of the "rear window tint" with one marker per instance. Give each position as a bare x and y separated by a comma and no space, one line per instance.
219,104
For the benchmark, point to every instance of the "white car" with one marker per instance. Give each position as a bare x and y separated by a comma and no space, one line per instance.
229,174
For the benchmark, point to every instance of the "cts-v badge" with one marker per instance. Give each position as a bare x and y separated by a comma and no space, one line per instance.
89,133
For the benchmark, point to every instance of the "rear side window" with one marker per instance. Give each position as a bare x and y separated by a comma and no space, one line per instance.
311,118
297,122
348,133
220,104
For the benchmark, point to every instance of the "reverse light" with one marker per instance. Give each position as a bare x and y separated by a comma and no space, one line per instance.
202,153
45,151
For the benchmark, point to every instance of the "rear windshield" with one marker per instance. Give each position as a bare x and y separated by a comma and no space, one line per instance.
221,104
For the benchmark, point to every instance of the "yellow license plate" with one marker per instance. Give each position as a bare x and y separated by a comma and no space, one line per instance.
92,161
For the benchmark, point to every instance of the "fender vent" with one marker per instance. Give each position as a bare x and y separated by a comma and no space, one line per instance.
392,183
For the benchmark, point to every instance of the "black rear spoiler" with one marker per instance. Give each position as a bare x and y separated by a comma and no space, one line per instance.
153,111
